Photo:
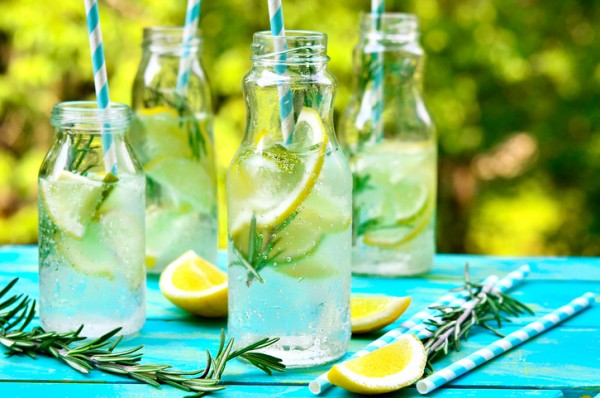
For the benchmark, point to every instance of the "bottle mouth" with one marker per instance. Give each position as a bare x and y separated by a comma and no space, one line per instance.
295,48
396,27
85,117
169,39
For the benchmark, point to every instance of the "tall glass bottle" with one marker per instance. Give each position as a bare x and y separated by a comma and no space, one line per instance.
172,137
289,207
91,224
390,139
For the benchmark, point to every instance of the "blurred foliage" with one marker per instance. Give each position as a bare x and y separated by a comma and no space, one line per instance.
513,86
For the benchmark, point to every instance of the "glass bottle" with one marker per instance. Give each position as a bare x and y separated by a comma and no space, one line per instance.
172,136
289,207
390,140
91,224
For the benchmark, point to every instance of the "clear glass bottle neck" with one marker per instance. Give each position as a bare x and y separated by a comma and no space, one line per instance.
84,117
391,29
297,48
169,40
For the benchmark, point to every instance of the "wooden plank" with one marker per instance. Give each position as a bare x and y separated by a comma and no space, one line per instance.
60,390
566,358
182,344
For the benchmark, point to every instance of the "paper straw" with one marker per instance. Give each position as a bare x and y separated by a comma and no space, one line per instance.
284,93
415,323
100,77
377,9
503,345
192,16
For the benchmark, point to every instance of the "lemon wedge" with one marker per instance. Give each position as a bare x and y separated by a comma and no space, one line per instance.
386,369
373,312
195,285
271,184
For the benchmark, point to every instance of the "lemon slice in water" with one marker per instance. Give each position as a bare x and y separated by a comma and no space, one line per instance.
273,183
184,180
70,201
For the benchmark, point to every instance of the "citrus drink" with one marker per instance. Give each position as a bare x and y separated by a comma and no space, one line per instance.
91,253
178,161
290,244
394,208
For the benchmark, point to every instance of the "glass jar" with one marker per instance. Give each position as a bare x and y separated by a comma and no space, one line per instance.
390,139
91,224
289,207
172,136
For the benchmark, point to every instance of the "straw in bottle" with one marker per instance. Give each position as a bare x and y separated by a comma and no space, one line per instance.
377,9
190,28
283,90
100,77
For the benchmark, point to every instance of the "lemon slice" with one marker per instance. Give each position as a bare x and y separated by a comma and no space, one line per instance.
171,232
195,285
386,369
390,238
184,181
160,131
89,255
70,201
271,184
373,312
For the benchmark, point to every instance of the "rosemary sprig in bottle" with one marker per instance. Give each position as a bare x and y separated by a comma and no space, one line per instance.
261,248
486,304
17,312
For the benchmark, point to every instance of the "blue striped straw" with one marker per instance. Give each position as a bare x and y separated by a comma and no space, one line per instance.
503,345
100,77
415,324
377,9
284,93
190,28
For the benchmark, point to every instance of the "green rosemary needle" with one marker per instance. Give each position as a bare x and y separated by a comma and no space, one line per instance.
453,324
17,312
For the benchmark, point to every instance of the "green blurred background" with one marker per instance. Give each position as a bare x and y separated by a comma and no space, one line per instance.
513,86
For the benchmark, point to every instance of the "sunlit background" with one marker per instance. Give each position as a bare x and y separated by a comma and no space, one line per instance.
513,86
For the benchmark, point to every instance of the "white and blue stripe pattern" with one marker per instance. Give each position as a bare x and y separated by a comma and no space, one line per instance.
192,16
284,93
100,76
503,345
416,326
377,9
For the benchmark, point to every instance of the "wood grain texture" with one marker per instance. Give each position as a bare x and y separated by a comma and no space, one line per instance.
562,362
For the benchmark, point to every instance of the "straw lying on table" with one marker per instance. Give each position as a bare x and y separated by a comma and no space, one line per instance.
415,324
283,90
501,346
100,77
192,17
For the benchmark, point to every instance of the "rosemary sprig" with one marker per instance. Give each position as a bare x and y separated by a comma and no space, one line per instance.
261,248
17,312
453,324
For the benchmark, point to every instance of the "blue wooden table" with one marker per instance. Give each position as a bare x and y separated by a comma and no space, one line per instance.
562,362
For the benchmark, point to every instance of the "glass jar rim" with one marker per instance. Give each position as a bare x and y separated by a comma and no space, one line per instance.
87,118
393,26
297,47
168,38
